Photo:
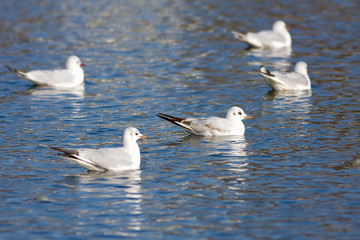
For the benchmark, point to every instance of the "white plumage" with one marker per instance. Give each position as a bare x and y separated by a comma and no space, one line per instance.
126,157
297,80
278,37
213,126
70,77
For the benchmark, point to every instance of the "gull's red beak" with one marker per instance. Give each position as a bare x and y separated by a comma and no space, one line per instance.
82,65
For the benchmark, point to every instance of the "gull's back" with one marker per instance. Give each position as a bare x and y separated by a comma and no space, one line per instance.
109,158
60,77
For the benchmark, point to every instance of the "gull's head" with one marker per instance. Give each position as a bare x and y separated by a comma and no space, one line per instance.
301,67
280,26
133,134
237,113
74,62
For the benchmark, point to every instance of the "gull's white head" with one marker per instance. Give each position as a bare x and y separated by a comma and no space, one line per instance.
74,62
301,67
280,26
236,113
132,134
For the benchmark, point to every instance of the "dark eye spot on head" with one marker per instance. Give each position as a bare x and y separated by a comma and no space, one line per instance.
234,113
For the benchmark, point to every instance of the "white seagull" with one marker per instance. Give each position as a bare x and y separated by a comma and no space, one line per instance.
298,80
70,77
278,37
122,158
213,126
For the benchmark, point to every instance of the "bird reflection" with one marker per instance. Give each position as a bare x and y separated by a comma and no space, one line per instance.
48,97
354,163
234,147
231,148
275,58
284,52
47,93
120,189
290,100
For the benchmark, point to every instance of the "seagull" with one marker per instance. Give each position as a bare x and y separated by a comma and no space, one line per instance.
70,77
298,80
126,157
278,37
213,126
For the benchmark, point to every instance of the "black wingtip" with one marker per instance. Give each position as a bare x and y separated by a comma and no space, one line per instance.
160,115
238,35
266,72
14,70
164,116
10,68
66,152
169,118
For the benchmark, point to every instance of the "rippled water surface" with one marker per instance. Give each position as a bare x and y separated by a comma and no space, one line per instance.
294,175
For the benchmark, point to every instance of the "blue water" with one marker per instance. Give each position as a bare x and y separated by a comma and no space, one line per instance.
294,175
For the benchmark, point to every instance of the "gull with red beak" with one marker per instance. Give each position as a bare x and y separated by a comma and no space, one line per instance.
122,158
70,77
278,37
214,126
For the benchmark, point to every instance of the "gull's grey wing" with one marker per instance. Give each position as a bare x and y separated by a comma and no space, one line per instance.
291,79
211,126
107,158
50,77
267,37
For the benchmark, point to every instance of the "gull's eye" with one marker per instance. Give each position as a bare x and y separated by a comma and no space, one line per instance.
240,113
136,134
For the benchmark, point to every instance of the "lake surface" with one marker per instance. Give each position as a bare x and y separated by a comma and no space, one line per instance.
294,175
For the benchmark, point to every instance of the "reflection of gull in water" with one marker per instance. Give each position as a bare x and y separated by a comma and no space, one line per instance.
276,58
290,101
232,148
129,181
120,189
48,97
354,163
72,98
270,53
288,96
46,93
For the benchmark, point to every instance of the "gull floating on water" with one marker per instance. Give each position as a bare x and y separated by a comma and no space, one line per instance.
213,126
278,37
122,158
70,77
298,80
